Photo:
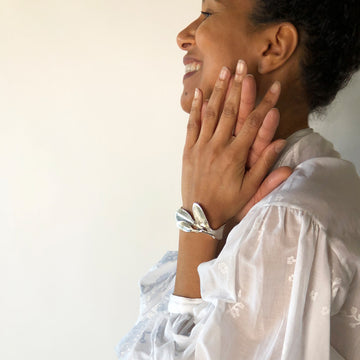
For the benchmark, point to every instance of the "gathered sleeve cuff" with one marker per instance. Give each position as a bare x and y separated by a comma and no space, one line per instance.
183,305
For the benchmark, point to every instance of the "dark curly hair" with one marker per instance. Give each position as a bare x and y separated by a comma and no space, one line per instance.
329,31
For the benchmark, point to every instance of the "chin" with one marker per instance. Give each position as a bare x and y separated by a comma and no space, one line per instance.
185,102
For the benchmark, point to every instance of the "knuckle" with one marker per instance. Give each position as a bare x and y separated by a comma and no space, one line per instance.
254,119
241,120
210,150
191,125
229,110
193,110
237,85
210,112
255,153
186,155
218,88
268,101
269,159
232,156
237,153
247,101
267,162
213,152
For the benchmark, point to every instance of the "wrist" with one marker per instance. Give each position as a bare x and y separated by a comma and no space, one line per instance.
215,219
197,222
194,249
197,248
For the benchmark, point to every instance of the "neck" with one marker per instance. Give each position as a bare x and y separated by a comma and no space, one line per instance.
293,106
293,117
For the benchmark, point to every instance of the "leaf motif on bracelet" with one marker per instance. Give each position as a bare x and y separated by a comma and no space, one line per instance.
198,224
199,215
183,216
185,226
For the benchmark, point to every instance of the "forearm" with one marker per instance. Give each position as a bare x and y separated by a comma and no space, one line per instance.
194,249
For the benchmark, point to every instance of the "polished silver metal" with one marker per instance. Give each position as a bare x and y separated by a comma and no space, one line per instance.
198,224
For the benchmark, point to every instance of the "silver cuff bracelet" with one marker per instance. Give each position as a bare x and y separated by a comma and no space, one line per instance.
198,224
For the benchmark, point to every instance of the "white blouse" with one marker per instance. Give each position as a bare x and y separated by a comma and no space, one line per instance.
285,286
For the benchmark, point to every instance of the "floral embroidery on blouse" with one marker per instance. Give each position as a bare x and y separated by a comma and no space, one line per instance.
355,315
325,310
291,260
314,294
223,268
236,309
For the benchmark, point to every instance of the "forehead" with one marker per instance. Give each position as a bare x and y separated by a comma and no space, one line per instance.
229,2
218,1
233,4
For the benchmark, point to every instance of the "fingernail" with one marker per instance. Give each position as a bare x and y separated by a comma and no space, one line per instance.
224,72
240,67
196,94
275,87
279,147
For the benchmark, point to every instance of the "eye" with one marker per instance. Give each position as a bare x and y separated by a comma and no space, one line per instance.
206,14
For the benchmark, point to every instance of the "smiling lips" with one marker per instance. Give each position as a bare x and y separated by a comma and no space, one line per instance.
191,66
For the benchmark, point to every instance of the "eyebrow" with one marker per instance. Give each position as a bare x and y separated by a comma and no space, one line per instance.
219,1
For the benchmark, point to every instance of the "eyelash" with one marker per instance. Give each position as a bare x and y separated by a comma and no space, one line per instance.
206,14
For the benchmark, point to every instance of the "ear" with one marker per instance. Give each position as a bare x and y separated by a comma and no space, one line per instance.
278,43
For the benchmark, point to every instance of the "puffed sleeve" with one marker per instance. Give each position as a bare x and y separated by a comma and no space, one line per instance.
270,294
275,287
168,325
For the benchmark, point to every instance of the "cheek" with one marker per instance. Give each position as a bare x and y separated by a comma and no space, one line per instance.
186,102
207,82
213,60
223,47
206,40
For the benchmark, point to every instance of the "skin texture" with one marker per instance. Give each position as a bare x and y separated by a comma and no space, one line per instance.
271,53
229,149
221,39
214,161
217,170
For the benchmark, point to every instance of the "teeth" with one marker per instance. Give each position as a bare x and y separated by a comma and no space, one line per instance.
192,67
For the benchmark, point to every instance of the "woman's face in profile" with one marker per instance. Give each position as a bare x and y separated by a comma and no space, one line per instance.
219,37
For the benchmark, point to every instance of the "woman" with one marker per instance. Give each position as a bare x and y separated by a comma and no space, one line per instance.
286,283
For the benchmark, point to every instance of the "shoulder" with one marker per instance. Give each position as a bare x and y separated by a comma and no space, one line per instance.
327,189
321,199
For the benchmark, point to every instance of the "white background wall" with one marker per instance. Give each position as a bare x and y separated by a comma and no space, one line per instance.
91,135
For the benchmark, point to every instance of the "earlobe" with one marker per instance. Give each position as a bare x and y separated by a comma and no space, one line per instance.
281,41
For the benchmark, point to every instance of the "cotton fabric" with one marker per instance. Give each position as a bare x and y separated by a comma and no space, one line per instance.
285,286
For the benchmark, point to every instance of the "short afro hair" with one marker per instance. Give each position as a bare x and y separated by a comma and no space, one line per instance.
329,31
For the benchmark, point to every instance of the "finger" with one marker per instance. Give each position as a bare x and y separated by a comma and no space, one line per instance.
271,182
226,125
210,120
194,123
264,136
248,132
254,177
240,73
247,102
203,108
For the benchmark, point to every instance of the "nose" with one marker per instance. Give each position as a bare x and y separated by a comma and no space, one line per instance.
186,37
